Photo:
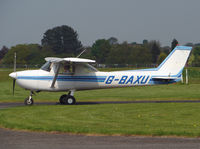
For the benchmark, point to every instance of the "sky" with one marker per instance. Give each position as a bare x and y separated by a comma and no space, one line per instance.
25,21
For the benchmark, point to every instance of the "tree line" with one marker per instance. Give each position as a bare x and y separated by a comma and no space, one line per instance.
62,41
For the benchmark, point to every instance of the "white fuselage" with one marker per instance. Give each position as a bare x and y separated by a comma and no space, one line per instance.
40,80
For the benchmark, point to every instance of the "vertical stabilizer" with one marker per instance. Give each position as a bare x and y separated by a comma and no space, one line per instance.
175,61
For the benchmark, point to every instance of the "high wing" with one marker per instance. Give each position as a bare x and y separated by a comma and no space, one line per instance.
70,59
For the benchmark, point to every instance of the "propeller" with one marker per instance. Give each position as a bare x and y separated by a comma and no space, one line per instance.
14,86
14,80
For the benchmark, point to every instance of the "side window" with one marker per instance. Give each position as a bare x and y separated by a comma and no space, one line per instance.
85,68
66,68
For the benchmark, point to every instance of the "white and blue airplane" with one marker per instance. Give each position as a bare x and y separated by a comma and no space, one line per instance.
75,74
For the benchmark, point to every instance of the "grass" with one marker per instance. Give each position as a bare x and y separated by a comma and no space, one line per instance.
179,119
174,119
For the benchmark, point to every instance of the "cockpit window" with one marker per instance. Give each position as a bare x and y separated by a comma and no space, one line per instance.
66,68
85,68
46,66
90,68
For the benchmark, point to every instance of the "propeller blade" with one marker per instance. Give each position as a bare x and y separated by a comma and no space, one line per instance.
14,86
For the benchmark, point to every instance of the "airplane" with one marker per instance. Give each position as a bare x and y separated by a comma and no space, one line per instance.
75,74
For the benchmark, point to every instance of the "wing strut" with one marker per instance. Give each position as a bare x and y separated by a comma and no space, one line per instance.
55,77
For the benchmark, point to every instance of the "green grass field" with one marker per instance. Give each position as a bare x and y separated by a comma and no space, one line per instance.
174,119
179,119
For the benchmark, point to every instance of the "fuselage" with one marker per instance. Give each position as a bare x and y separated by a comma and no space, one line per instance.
40,80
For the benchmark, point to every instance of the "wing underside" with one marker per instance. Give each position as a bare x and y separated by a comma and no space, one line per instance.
70,59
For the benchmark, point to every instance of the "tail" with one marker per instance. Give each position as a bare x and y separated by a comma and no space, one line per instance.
175,62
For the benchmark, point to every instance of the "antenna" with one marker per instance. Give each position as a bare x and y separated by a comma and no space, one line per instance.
81,52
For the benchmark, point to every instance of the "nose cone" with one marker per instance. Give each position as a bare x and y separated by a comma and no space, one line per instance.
13,75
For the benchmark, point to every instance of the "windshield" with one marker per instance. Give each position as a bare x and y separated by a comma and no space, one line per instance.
46,66
90,68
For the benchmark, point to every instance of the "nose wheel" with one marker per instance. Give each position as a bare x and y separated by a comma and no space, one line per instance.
67,99
29,100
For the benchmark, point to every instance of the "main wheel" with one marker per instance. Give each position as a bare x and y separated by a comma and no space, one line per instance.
63,99
70,100
67,100
28,101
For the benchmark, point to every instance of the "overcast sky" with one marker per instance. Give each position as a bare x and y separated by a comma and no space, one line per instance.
25,21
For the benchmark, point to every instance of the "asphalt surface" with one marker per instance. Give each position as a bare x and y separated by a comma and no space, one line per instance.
10,139
31,140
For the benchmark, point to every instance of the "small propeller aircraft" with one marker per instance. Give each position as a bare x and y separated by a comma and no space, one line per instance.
75,74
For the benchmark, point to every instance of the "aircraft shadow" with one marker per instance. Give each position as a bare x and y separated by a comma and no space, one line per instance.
125,102
121,102
7,105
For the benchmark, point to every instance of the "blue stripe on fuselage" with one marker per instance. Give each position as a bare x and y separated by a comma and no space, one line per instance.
66,78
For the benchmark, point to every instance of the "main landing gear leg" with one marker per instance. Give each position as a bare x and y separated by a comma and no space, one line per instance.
29,100
68,99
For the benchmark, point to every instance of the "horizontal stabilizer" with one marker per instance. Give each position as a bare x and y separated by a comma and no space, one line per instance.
164,78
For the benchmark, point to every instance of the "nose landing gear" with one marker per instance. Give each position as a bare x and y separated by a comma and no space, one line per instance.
29,100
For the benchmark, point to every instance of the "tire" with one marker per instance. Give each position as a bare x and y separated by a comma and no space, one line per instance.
70,100
62,99
28,102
